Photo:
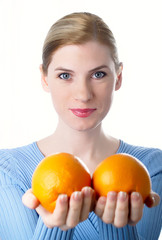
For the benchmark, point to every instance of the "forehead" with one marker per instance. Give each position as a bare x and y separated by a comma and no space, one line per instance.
90,54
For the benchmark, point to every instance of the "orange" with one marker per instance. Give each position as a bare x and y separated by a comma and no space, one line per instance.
121,172
60,173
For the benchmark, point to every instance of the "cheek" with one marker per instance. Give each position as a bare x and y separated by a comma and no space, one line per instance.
59,98
106,99
107,93
56,96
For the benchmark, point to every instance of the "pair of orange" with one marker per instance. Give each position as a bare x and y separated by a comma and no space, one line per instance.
64,173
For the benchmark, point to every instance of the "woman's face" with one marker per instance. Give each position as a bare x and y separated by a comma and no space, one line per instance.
82,80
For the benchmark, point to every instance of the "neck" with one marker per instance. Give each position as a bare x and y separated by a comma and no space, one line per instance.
92,146
79,143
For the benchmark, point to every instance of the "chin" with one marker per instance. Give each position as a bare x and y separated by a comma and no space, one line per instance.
85,127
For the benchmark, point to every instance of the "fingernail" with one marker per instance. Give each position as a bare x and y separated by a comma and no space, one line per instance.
102,200
153,200
135,196
63,198
112,196
122,196
77,195
87,191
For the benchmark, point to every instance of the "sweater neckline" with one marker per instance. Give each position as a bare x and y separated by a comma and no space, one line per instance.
120,148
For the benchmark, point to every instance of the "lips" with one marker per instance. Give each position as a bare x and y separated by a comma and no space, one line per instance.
83,113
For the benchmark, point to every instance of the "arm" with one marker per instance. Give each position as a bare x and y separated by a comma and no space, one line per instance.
150,225
18,222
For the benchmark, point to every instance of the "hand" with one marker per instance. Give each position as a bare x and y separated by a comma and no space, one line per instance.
68,212
121,209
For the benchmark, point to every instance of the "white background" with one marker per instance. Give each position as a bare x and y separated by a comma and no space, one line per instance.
26,111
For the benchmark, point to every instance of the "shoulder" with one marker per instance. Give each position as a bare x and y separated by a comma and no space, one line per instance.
20,163
150,157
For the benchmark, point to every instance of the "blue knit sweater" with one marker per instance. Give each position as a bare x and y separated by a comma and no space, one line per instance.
17,222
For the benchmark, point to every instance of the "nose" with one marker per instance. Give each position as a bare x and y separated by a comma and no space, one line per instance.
83,91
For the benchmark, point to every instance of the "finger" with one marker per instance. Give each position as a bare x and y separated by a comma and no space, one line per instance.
100,206
87,200
122,209
46,216
58,217
93,202
29,200
109,212
152,200
60,212
75,206
136,207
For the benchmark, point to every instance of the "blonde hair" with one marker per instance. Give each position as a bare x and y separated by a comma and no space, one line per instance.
78,28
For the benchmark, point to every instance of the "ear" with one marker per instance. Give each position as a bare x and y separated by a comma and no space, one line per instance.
43,79
119,77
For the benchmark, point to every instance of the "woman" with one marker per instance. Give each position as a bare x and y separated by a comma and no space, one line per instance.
81,71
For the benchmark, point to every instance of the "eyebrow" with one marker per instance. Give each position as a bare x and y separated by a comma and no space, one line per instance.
92,70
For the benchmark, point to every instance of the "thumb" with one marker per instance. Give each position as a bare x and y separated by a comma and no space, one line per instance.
152,200
29,200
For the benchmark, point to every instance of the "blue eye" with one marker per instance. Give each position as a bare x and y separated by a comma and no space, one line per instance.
64,76
99,75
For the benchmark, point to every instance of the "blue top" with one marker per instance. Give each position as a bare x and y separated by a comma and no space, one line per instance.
17,222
